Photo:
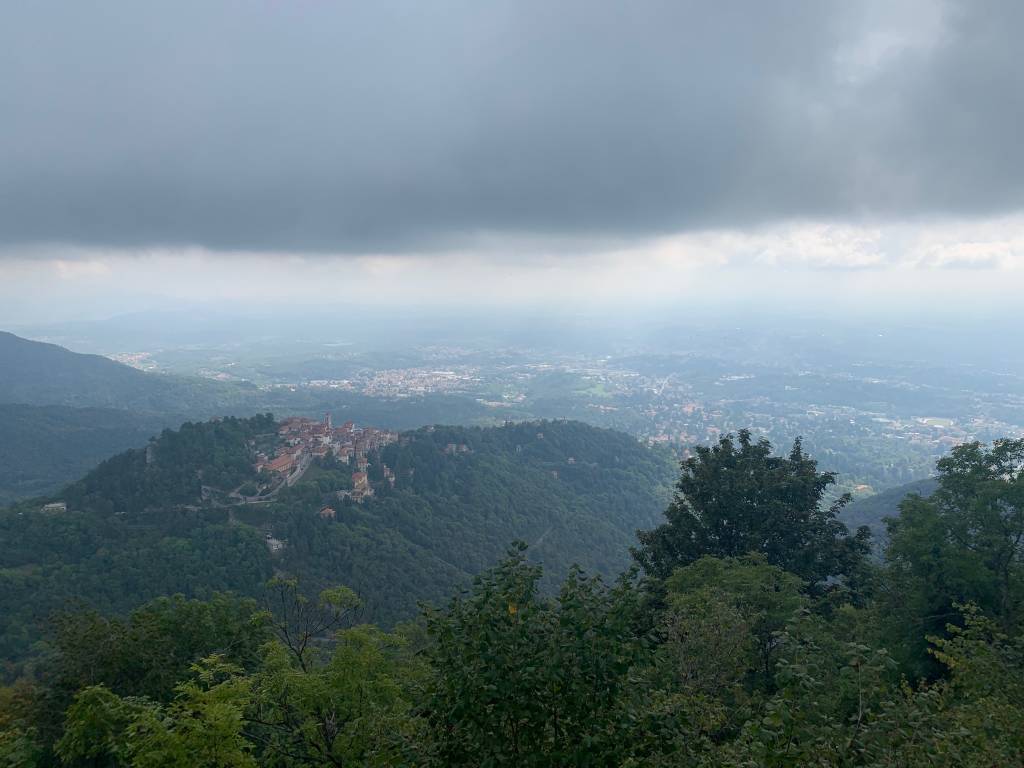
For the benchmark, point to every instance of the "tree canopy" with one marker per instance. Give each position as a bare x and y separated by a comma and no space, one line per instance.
963,544
737,497
730,660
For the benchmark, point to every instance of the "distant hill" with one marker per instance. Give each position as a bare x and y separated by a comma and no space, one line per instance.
141,525
36,373
62,412
574,493
42,447
873,510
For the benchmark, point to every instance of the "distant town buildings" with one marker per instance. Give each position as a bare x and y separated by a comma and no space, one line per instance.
302,440
360,486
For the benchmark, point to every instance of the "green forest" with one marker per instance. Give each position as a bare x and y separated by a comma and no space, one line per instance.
753,629
43,446
159,520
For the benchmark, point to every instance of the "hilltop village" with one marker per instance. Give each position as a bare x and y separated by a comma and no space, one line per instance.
301,440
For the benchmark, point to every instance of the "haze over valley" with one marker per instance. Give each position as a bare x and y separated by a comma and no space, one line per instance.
870,399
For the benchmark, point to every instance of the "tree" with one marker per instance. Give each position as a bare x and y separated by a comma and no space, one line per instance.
148,654
202,726
840,706
314,697
325,695
347,708
735,498
723,621
963,544
521,680
20,746
300,623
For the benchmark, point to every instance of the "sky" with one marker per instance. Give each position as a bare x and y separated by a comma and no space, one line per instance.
510,153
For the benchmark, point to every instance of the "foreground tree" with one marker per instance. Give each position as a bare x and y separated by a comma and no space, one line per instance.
318,695
202,726
721,628
844,709
522,680
963,544
736,498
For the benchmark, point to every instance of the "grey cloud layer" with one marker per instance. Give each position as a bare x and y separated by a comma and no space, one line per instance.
376,126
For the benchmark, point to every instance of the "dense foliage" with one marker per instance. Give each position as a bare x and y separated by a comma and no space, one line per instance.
964,543
737,497
729,660
160,521
575,493
43,447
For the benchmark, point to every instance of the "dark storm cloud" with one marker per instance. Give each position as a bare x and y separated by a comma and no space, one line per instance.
376,126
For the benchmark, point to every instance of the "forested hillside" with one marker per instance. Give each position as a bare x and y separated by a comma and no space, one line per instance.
43,447
575,493
759,634
873,510
160,520
36,373
62,412
174,469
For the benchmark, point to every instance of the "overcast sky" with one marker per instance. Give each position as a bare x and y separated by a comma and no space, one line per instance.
513,151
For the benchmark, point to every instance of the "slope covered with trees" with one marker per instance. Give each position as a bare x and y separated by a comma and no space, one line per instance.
43,447
175,468
873,510
160,520
726,661
576,493
36,373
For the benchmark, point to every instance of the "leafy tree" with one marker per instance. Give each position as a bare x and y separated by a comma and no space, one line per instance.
147,654
325,695
963,544
313,697
735,498
722,625
527,681
202,726
349,707
300,623
846,711
20,746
